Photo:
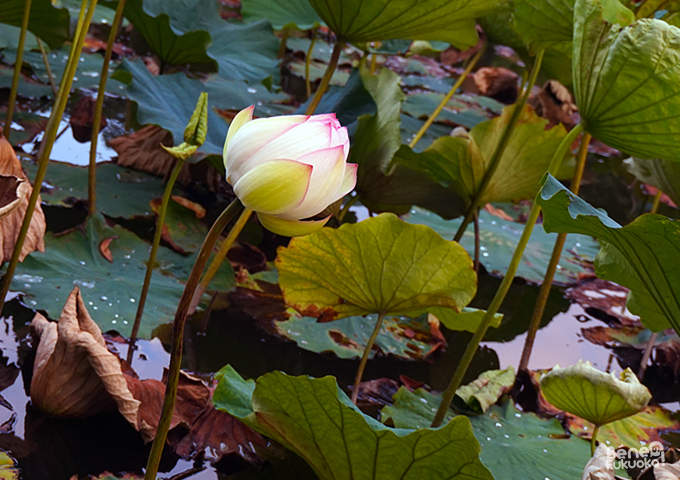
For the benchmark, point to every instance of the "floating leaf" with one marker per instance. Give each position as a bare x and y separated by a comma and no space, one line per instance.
627,82
483,392
360,21
641,256
661,174
110,288
316,420
593,395
406,270
463,162
282,13
46,21
498,238
515,445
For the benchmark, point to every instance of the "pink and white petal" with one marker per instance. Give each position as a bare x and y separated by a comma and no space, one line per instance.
329,170
274,187
298,141
323,117
348,182
241,118
254,136
290,228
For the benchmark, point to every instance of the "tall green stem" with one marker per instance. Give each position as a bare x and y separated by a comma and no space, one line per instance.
219,258
48,141
152,257
326,79
495,159
46,62
469,353
544,292
99,105
308,60
433,116
178,335
17,70
364,358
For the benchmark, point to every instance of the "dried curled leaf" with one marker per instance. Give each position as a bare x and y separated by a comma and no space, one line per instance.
11,223
74,374
12,191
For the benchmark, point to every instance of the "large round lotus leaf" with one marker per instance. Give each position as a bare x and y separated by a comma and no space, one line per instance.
315,419
593,395
281,13
361,21
380,265
627,82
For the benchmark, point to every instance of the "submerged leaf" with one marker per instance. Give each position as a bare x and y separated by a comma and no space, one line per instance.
406,270
627,81
359,21
316,420
641,256
593,395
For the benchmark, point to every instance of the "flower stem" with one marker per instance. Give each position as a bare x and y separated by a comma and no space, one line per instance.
326,79
308,60
46,62
152,257
99,105
477,242
364,358
544,292
495,159
345,208
48,141
502,291
219,258
593,440
178,333
433,116
17,70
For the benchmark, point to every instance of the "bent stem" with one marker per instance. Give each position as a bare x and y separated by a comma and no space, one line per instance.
593,440
48,141
495,159
17,70
544,292
326,79
447,97
99,105
178,333
308,60
46,62
504,287
152,258
364,358
219,258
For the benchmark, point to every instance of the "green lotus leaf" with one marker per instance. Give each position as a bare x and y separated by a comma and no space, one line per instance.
649,8
593,395
46,21
466,320
627,82
461,163
316,420
485,390
405,269
545,24
661,174
361,21
515,445
642,256
281,13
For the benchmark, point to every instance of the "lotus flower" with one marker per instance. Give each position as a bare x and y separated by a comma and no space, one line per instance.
288,168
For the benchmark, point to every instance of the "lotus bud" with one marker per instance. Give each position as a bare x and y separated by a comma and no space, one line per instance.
288,168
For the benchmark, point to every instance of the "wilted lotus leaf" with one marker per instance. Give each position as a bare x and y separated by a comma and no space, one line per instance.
404,270
596,396
485,390
12,192
661,174
74,374
11,222
600,467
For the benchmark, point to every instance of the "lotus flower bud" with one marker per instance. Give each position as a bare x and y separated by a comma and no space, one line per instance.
288,168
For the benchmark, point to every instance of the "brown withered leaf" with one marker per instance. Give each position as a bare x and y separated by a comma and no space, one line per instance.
554,103
11,223
244,255
499,83
603,300
197,208
74,374
104,248
12,191
142,151
82,119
